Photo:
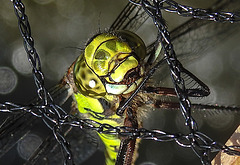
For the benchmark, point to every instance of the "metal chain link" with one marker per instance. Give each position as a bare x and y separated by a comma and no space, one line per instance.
55,117
157,135
33,56
170,56
203,143
48,111
187,11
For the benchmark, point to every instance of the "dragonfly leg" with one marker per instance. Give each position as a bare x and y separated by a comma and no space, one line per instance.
170,103
74,110
126,153
160,91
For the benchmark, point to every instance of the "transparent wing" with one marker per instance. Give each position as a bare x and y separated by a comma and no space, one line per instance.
203,36
31,142
83,145
218,122
196,38
131,18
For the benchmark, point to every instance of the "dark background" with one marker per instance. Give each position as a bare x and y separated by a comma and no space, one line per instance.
61,27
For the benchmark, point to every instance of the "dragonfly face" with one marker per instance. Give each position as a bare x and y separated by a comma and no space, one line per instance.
110,64
101,82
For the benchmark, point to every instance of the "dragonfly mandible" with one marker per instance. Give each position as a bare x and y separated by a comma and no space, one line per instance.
180,36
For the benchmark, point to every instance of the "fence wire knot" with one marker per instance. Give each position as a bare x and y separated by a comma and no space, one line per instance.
56,118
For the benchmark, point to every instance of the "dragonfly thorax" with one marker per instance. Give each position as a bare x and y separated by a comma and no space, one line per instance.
110,64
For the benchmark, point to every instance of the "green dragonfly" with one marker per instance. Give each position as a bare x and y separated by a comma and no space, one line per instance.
93,104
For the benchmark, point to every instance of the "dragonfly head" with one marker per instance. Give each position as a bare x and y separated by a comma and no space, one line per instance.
110,64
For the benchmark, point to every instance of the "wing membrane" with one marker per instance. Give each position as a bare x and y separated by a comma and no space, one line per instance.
19,129
196,37
131,18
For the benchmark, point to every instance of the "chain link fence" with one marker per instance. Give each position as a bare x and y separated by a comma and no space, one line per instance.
57,119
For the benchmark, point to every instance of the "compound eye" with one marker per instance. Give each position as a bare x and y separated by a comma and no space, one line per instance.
135,42
87,82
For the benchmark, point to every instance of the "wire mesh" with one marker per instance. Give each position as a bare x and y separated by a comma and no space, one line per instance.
55,117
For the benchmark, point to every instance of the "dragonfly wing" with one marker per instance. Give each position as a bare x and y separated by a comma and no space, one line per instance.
60,93
131,18
18,129
203,36
221,120
218,122
195,38
83,144
20,137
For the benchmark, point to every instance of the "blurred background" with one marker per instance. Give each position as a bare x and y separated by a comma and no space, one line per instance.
61,28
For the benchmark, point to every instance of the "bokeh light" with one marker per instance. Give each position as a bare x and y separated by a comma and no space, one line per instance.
20,61
28,145
8,80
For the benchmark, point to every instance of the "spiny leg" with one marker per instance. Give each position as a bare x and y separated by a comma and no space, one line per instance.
170,104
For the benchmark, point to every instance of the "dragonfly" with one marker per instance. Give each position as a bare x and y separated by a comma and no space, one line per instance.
129,24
